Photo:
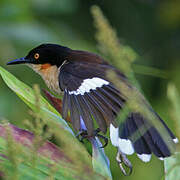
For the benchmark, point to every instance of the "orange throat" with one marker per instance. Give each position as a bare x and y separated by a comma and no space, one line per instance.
45,66
50,75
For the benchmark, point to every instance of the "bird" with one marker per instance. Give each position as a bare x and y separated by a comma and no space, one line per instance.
92,99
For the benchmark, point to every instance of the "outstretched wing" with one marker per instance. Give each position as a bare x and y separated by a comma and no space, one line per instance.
89,95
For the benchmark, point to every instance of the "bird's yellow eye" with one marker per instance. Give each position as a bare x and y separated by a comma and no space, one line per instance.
36,56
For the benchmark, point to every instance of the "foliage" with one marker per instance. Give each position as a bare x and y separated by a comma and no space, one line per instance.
172,164
122,57
45,114
151,28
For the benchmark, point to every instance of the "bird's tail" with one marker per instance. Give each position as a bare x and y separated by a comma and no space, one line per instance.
136,134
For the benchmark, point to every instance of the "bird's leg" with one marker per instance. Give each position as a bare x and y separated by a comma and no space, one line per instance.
96,133
103,138
81,135
84,135
122,159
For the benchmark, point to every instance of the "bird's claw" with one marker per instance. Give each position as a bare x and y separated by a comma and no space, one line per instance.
84,135
122,159
103,138
81,135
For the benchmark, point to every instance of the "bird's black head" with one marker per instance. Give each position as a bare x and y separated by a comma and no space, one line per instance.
52,54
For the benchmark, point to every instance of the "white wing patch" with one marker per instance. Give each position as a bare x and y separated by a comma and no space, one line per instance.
125,146
89,84
144,157
161,158
114,135
175,140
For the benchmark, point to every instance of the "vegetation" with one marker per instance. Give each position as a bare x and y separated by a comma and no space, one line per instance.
24,156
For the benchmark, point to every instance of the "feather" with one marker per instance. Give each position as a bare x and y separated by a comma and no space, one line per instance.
65,105
106,111
98,98
114,92
74,113
111,96
136,138
151,136
86,116
106,101
98,116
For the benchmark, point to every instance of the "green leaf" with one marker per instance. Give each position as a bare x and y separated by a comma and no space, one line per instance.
99,159
81,160
28,96
23,90
174,97
172,166
17,158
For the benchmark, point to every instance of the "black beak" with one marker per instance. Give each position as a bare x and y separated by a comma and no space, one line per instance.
18,61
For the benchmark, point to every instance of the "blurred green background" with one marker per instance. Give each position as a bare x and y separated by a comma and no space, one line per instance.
150,27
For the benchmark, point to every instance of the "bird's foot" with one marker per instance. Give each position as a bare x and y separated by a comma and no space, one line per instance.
123,160
84,135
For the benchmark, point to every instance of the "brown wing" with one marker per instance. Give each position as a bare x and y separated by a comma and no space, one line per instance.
89,95
84,56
